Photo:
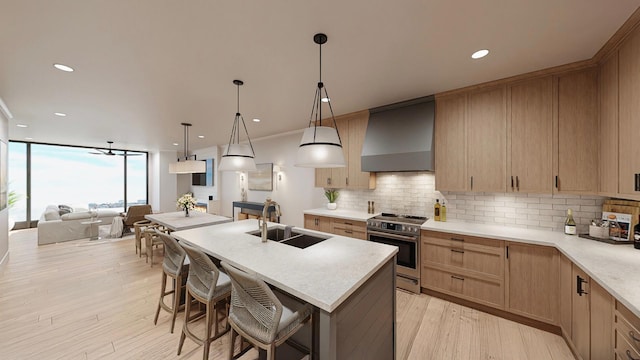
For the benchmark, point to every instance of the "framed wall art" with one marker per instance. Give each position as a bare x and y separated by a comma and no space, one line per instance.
262,178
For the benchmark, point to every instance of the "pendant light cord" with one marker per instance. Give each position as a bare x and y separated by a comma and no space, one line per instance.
235,130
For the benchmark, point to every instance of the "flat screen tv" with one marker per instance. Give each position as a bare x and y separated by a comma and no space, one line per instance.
205,178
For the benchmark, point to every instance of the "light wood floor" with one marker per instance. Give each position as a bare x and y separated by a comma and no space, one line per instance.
96,300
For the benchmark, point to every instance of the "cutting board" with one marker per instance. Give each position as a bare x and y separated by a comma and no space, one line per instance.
623,207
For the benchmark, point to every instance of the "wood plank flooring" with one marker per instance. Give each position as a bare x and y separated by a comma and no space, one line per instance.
96,300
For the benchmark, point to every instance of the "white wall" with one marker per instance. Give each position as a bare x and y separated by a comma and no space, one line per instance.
295,192
162,185
4,214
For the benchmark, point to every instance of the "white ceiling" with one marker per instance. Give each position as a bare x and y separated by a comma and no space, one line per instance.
145,66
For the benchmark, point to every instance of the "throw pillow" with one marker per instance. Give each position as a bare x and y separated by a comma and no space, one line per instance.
63,211
66,208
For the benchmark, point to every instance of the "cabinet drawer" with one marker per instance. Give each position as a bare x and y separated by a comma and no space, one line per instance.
633,320
626,330
356,233
482,291
464,242
460,258
624,349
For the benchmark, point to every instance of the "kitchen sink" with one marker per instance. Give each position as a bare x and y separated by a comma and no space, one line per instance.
296,239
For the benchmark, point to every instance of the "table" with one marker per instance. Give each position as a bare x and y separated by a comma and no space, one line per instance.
256,206
91,223
176,221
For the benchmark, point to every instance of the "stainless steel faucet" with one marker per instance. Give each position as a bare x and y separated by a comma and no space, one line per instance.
265,210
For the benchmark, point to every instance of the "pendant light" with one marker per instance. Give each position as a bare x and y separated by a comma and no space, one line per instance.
320,146
187,166
238,157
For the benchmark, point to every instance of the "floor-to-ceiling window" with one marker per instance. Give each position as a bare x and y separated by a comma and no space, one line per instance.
44,174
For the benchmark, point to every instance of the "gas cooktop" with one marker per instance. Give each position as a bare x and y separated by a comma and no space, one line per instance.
407,219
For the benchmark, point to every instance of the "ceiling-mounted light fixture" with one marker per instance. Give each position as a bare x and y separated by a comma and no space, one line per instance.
185,165
238,157
320,146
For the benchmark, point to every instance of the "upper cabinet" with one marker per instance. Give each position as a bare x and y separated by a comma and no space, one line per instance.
486,140
608,92
577,132
629,117
530,137
450,143
352,128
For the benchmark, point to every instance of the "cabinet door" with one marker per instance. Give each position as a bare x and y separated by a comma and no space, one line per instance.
566,294
602,308
358,179
532,281
450,144
580,319
531,137
486,139
335,177
578,138
609,126
319,223
629,122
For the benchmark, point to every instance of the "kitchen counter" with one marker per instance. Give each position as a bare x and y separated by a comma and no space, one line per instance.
345,279
612,266
342,214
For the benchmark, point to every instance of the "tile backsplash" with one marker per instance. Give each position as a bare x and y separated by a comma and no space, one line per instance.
414,193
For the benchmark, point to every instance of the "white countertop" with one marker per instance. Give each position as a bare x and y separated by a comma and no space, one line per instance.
324,274
614,267
342,214
177,221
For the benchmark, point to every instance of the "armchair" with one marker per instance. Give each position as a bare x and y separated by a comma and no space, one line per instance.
134,214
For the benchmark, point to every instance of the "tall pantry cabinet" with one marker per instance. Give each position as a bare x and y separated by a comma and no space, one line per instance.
629,113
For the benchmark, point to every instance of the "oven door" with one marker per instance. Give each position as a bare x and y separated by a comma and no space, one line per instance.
407,258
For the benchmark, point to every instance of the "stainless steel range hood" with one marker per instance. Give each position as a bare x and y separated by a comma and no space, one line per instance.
399,137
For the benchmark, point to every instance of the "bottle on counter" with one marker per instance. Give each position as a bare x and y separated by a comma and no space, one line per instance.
443,212
373,207
369,207
436,210
636,235
570,224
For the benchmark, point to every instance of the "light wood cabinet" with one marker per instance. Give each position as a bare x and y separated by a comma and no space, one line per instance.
577,136
629,122
350,228
580,319
318,223
530,136
608,86
486,128
451,144
601,320
566,295
627,335
468,267
532,285
352,128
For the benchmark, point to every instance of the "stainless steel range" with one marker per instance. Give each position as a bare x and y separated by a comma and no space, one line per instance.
402,231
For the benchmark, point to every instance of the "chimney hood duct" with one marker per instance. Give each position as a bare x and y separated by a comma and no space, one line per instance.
399,137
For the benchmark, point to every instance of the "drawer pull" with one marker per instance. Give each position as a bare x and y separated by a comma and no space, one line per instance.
456,239
633,336
579,290
630,357
458,251
457,277
346,223
348,231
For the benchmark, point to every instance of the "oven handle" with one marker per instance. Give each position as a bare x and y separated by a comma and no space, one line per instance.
393,236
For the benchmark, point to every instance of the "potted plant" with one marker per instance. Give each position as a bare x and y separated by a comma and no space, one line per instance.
332,196
12,198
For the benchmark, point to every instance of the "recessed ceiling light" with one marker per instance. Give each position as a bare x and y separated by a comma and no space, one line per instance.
200,136
28,138
325,99
256,120
480,54
63,67
22,125
175,144
60,114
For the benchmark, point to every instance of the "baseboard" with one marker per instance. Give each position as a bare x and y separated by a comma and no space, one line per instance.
497,312
567,339
4,262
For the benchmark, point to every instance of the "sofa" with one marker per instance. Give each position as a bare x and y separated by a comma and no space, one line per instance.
62,223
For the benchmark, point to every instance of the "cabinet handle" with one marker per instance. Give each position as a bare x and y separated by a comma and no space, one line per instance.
511,182
630,357
328,181
633,336
637,182
517,183
472,183
347,181
457,277
507,252
579,282
456,239
458,251
348,231
556,181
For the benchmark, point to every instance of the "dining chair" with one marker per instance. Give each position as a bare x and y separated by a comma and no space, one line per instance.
175,266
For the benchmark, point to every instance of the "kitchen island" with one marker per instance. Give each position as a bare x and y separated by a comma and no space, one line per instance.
350,283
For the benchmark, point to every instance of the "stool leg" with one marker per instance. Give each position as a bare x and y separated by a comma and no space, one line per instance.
177,286
232,346
207,330
163,289
187,310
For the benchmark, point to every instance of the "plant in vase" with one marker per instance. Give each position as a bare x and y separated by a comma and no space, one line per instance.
332,196
186,202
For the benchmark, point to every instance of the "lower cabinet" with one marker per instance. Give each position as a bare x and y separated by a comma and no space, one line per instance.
532,281
627,336
349,228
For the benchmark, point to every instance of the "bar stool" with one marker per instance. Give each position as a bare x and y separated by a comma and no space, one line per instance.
176,266
258,316
209,286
